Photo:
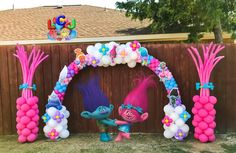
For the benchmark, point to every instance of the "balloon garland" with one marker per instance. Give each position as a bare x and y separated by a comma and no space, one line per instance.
203,110
61,28
27,105
111,54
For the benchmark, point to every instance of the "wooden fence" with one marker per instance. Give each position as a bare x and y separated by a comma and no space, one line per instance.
115,82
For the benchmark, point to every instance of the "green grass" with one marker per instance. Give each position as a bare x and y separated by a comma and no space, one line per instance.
139,143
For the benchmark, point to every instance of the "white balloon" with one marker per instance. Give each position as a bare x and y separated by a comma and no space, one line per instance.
168,134
183,107
131,64
64,121
185,128
173,128
64,134
106,60
52,123
63,74
97,55
133,56
127,59
90,49
98,45
174,116
113,63
59,128
46,129
65,126
179,109
66,114
118,60
165,127
179,122
51,111
168,109
63,109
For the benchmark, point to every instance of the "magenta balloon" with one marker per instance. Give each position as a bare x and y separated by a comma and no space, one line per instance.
20,101
35,130
31,101
197,118
22,138
209,132
194,110
20,113
212,125
196,98
209,119
196,135
195,123
25,120
198,130
31,125
35,118
25,107
212,138
197,105
202,113
20,126
212,99
208,106
25,132
31,113
203,125
212,112
35,106
203,99
203,138
18,119
31,137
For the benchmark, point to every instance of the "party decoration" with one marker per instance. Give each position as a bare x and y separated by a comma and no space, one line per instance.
110,54
27,105
203,110
61,28
98,107
135,106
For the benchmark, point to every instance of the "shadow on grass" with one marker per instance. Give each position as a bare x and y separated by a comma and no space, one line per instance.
229,148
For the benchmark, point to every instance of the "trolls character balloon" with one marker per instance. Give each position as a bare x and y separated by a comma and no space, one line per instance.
61,28
98,107
135,107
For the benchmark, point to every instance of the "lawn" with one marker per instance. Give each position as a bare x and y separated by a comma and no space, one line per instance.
148,143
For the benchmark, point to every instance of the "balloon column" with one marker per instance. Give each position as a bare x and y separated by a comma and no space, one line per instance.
203,110
27,105
61,28
110,54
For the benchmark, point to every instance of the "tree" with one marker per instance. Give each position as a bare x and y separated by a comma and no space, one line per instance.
193,16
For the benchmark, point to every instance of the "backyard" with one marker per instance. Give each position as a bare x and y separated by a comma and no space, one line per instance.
149,143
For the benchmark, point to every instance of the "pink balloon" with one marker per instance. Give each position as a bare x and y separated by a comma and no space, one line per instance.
208,106
209,132
20,126
194,110
31,113
25,132
19,132
196,98
196,136
31,137
197,118
203,125
18,119
20,113
212,99
212,125
25,107
21,138
35,118
197,105
203,138
202,113
25,120
212,138
31,125
212,112
20,101
35,130
203,99
35,106
18,106
209,119
198,130
195,123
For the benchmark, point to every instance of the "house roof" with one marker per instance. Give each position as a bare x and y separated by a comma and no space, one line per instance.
31,24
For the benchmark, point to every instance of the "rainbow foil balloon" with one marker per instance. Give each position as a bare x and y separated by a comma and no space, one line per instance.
61,28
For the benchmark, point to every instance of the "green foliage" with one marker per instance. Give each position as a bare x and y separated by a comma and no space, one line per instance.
174,16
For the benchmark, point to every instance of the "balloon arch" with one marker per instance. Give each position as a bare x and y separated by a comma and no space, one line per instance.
111,54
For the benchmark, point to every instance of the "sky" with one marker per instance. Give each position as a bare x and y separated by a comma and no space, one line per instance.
8,4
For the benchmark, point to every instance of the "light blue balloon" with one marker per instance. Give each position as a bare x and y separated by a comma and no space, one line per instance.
58,27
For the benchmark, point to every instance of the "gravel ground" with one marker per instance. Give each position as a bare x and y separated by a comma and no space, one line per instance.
139,143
